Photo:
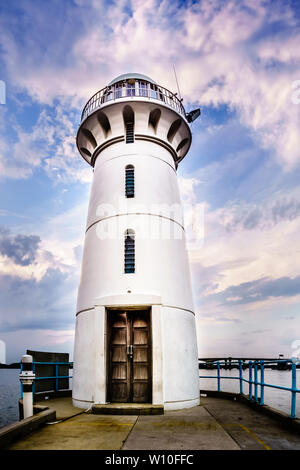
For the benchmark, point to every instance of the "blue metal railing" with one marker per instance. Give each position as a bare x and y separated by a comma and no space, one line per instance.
253,382
57,377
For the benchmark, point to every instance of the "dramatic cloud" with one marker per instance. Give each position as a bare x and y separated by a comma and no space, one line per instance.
238,61
29,304
21,249
226,53
259,290
49,144
263,216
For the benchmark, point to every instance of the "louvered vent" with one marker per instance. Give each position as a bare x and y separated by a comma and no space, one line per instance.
129,257
129,181
129,132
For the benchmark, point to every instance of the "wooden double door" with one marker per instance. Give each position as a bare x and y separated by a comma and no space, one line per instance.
129,356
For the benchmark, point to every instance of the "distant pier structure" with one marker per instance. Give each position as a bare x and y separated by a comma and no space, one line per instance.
279,363
135,337
2,352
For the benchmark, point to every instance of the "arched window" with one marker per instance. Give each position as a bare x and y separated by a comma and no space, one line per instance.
129,181
128,116
89,136
173,129
182,144
154,118
129,249
104,123
85,151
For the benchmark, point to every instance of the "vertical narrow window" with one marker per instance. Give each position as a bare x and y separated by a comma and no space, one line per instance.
129,255
129,133
129,181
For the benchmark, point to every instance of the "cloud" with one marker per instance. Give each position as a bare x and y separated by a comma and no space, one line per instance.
259,290
24,151
17,342
223,51
56,245
244,242
49,144
22,249
187,187
31,304
238,56
243,216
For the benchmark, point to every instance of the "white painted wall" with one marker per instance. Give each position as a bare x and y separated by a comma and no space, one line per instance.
161,263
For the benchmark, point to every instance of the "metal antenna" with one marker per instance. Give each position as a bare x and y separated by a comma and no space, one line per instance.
177,83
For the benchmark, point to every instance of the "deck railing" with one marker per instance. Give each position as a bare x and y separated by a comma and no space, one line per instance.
139,90
256,367
57,377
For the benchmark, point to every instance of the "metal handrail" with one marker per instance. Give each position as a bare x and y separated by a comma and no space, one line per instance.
115,92
56,376
253,381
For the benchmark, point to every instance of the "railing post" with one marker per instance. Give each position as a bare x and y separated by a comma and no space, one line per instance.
262,383
219,380
250,380
241,377
56,377
27,377
255,381
21,368
33,370
294,393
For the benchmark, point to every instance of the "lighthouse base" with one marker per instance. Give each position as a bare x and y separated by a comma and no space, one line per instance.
130,349
179,405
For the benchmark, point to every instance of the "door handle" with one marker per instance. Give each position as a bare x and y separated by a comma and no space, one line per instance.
130,351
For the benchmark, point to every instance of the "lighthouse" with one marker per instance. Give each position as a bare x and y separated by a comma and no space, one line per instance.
135,337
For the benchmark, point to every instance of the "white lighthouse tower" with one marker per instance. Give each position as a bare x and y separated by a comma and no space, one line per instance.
135,338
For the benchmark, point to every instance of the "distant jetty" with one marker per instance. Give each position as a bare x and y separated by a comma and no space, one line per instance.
13,365
278,363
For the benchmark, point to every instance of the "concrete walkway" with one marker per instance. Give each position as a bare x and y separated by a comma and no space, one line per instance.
216,424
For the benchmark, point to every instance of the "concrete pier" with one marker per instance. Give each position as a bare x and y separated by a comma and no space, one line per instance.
217,424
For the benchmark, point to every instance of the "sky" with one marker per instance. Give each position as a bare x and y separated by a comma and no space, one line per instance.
240,62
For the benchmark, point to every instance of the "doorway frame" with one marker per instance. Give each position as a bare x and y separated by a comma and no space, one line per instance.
128,302
109,312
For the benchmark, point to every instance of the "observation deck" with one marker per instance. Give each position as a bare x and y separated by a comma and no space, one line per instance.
135,86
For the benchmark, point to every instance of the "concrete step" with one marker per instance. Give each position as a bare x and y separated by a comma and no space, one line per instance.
128,409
